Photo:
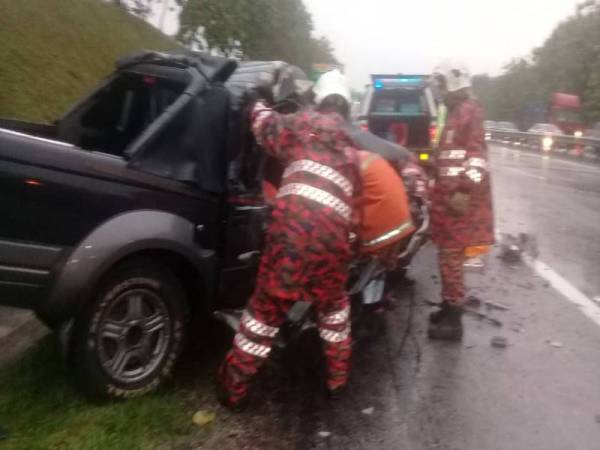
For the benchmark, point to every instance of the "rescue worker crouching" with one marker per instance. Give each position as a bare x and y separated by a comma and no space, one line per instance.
307,251
384,208
461,214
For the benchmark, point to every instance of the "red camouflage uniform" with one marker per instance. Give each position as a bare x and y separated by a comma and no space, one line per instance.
307,250
461,167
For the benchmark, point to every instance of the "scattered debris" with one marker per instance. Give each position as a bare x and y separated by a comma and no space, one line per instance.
482,316
432,303
499,342
473,301
556,344
203,417
324,434
368,411
597,418
529,245
529,286
546,284
498,306
470,345
513,247
510,251
516,329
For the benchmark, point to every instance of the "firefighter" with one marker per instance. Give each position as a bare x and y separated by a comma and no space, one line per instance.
385,216
307,251
461,215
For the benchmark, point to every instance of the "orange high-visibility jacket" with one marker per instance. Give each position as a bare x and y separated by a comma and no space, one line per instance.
385,209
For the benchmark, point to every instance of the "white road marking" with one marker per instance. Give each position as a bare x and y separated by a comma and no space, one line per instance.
586,305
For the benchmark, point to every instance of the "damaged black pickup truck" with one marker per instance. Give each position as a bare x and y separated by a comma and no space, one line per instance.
137,207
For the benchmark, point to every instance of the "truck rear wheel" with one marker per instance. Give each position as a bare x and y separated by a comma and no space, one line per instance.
127,340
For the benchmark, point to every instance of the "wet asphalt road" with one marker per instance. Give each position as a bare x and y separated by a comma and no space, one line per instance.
541,392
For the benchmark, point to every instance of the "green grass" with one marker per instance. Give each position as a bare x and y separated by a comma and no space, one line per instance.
40,409
53,51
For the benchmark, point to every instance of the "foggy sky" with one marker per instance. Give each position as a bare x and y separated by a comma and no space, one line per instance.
412,36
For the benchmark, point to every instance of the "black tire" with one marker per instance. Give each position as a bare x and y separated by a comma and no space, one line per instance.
125,342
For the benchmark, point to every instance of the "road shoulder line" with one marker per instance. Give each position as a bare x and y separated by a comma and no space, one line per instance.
586,305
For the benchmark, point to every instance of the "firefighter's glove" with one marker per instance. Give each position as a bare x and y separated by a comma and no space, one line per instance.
258,113
458,203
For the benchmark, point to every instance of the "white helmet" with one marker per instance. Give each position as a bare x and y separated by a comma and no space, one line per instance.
332,83
455,73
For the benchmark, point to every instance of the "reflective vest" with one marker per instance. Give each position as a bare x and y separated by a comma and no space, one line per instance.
385,209
442,115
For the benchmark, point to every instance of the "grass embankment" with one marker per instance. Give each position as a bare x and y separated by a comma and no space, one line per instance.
41,410
53,51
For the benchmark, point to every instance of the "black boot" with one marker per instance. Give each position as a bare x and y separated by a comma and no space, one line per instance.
437,316
446,324
225,400
337,394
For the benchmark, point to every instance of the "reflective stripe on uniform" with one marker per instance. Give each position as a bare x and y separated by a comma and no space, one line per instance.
477,162
317,195
452,154
475,175
305,165
389,234
336,318
334,336
451,171
247,346
257,327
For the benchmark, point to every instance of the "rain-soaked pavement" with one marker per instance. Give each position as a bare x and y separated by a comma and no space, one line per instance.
540,392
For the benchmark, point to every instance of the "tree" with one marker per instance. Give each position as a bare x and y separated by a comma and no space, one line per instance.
254,29
568,61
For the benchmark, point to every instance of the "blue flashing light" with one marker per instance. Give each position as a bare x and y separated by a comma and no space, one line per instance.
380,83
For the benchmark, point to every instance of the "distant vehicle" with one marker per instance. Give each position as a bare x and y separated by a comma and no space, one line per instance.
548,132
488,125
562,110
401,109
506,126
593,132
591,150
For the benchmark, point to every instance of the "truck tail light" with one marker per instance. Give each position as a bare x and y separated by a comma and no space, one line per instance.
364,125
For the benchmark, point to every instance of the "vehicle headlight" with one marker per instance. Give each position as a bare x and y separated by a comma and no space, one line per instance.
547,143
578,134
488,136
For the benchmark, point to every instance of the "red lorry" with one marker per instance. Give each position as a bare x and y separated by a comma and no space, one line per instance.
564,111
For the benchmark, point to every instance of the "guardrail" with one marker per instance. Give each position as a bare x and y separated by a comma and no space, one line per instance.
584,148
